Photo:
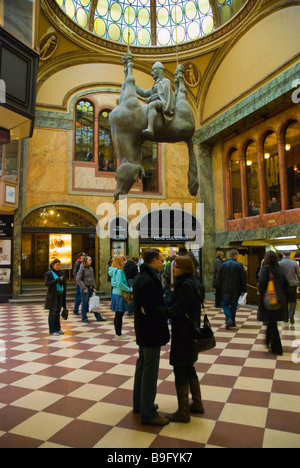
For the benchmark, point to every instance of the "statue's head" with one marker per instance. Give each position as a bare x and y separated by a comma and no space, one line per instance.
158,70
127,175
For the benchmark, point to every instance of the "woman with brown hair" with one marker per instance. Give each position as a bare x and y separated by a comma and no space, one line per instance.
119,286
186,307
85,279
272,271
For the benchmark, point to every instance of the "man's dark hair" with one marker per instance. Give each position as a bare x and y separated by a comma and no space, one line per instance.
233,253
55,261
150,255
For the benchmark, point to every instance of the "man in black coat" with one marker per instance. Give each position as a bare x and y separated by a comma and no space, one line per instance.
152,332
232,282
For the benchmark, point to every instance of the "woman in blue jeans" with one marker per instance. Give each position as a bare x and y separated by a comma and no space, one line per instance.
86,281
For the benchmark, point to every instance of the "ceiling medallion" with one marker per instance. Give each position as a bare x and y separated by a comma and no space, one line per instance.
48,45
192,74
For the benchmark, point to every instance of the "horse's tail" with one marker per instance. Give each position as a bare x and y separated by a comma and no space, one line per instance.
193,170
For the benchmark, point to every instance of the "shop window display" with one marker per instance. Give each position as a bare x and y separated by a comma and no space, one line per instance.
235,185
9,161
252,177
292,155
271,161
55,232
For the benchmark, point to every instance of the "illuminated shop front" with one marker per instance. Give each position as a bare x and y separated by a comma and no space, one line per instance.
56,232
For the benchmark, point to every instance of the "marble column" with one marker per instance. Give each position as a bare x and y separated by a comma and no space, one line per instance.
206,196
18,220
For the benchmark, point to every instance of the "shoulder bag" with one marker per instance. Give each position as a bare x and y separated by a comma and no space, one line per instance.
203,339
271,299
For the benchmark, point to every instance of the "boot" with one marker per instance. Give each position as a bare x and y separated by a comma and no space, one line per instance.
196,406
183,412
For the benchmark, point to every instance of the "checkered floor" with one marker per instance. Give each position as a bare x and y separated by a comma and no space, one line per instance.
76,390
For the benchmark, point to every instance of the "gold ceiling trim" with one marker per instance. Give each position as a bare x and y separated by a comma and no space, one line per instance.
84,37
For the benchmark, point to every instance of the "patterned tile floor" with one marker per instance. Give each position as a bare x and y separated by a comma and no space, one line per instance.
76,390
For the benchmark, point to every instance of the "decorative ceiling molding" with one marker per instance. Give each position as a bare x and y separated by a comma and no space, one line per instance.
89,40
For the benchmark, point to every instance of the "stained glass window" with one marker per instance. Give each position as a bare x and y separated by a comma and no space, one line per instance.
146,22
84,135
77,10
228,8
124,21
181,21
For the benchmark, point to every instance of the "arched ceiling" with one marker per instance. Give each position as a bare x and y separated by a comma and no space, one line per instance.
147,23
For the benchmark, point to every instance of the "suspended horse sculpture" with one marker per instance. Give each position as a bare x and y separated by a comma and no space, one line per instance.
164,119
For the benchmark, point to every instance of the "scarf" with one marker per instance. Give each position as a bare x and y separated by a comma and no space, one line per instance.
57,274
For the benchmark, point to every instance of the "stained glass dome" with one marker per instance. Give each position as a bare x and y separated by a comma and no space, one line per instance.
146,23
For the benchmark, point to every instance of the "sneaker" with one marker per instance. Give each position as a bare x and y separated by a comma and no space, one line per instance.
61,332
122,337
55,334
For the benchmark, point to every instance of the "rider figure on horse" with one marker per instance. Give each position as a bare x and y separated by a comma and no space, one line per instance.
160,99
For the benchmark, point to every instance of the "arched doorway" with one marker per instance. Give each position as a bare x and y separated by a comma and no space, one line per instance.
168,229
57,232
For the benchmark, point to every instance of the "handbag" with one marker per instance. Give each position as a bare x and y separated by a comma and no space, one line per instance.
128,297
65,313
271,299
203,339
94,303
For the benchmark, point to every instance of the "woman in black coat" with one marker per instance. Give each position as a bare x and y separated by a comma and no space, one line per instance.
271,317
55,280
187,303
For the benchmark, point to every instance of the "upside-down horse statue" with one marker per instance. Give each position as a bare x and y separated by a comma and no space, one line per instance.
166,118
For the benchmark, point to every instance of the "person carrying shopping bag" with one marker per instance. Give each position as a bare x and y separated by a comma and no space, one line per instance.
86,280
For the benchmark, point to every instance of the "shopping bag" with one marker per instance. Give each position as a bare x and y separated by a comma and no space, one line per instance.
243,299
94,304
